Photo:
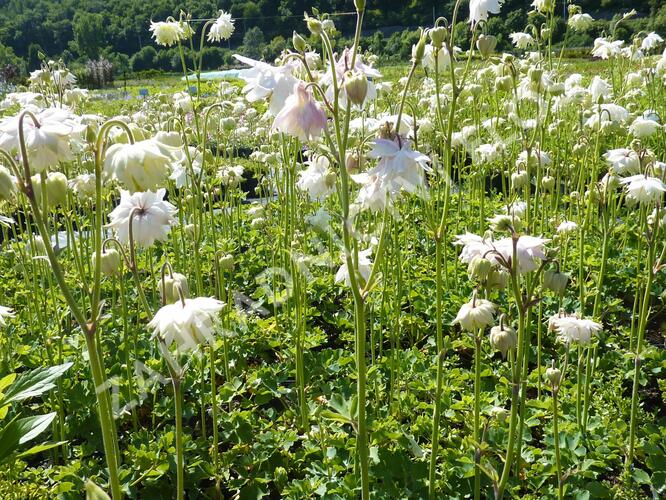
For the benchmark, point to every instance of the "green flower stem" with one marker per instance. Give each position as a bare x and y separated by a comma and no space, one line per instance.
180,479
89,329
642,324
477,415
556,445
440,363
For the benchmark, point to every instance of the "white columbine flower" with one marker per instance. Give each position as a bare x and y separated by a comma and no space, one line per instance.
580,22
479,9
398,167
364,267
605,49
263,80
644,189
571,329
642,128
623,160
318,179
5,312
167,33
189,322
522,40
152,217
567,227
222,29
651,41
475,314
142,166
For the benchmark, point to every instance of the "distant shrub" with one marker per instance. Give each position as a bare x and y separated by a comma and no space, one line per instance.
144,59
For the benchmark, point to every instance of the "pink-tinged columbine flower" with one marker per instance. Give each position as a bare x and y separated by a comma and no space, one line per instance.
152,217
302,116
263,80
644,189
479,9
342,68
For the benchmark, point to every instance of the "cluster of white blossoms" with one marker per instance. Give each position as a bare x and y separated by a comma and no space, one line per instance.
571,329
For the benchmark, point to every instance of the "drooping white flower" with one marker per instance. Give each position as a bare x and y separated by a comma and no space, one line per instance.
530,250
605,49
231,175
398,167
189,323
83,186
46,144
318,179
580,22
263,80
443,58
573,330
600,88
152,217
302,116
5,312
567,227
142,166
167,33
642,128
475,314
543,6
320,219
364,267
644,189
522,40
623,160
342,68
651,42
479,9
222,28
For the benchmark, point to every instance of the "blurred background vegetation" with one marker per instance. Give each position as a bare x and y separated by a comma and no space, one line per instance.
102,39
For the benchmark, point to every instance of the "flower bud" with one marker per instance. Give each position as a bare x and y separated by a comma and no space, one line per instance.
497,279
56,188
547,183
314,25
553,375
504,83
228,124
535,74
188,229
360,5
503,338
486,45
419,49
226,262
545,33
356,87
7,186
438,35
519,179
479,268
500,413
330,179
299,42
555,281
352,163
169,288
110,262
